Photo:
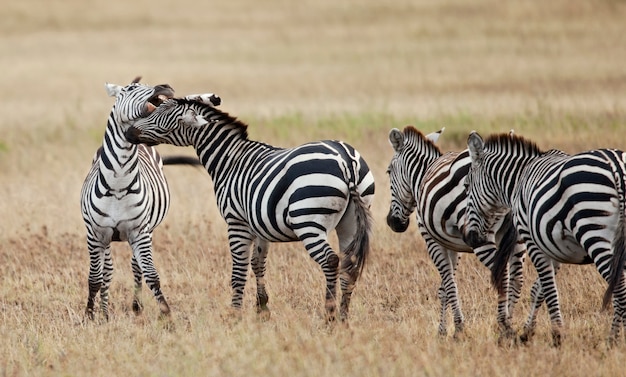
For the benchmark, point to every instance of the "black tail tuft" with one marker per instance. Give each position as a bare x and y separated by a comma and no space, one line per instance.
503,254
356,254
617,262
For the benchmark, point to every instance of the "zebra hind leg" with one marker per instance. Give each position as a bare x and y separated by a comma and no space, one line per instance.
536,299
323,254
497,261
445,262
137,275
258,267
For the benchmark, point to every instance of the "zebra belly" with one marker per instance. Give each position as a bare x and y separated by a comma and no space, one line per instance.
562,246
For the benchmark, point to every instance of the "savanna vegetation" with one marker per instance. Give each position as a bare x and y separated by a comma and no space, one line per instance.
294,71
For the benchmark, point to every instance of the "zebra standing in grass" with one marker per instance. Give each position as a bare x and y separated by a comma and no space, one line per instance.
422,178
569,209
269,194
125,196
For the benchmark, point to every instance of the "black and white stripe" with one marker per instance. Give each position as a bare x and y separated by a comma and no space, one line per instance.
125,196
269,194
568,209
425,181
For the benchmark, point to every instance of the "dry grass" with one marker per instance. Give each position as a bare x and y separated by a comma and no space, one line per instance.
295,71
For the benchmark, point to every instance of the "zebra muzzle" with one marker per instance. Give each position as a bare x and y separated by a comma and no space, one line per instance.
474,239
133,135
396,224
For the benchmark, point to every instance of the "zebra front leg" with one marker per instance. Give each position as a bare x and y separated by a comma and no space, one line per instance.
259,257
137,276
107,276
142,252
96,262
240,239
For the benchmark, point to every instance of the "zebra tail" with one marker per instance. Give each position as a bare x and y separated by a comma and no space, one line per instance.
503,254
619,251
356,254
181,160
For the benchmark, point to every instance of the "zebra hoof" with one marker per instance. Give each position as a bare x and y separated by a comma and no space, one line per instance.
89,314
556,339
137,307
264,314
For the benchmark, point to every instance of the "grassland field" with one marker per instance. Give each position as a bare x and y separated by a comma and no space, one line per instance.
295,72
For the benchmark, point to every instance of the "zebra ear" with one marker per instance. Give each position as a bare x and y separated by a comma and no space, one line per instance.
475,145
112,89
210,99
396,138
192,119
434,136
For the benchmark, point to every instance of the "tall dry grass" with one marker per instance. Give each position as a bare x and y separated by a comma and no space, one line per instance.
295,71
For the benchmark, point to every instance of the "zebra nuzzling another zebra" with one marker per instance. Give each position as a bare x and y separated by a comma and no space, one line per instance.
567,208
423,178
125,196
269,194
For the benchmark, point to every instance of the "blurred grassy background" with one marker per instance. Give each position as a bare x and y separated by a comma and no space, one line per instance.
295,71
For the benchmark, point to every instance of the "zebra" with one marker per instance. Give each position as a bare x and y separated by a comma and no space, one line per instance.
424,179
125,196
567,209
270,194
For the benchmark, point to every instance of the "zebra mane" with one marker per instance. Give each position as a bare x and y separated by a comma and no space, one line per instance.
512,141
215,115
413,133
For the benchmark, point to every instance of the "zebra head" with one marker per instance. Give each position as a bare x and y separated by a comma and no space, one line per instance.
413,152
482,194
135,101
171,121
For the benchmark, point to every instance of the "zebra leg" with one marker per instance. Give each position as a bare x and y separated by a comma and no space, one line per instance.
323,254
453,292
446,265
240,240
107,275
96,263
619,304
486,254
546,269
258,267
516,276
137,302
536,299
142,251
346,232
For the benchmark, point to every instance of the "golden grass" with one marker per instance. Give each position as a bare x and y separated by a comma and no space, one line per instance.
295,71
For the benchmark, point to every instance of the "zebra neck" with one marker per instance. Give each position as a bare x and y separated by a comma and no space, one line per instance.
118,159
220,147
